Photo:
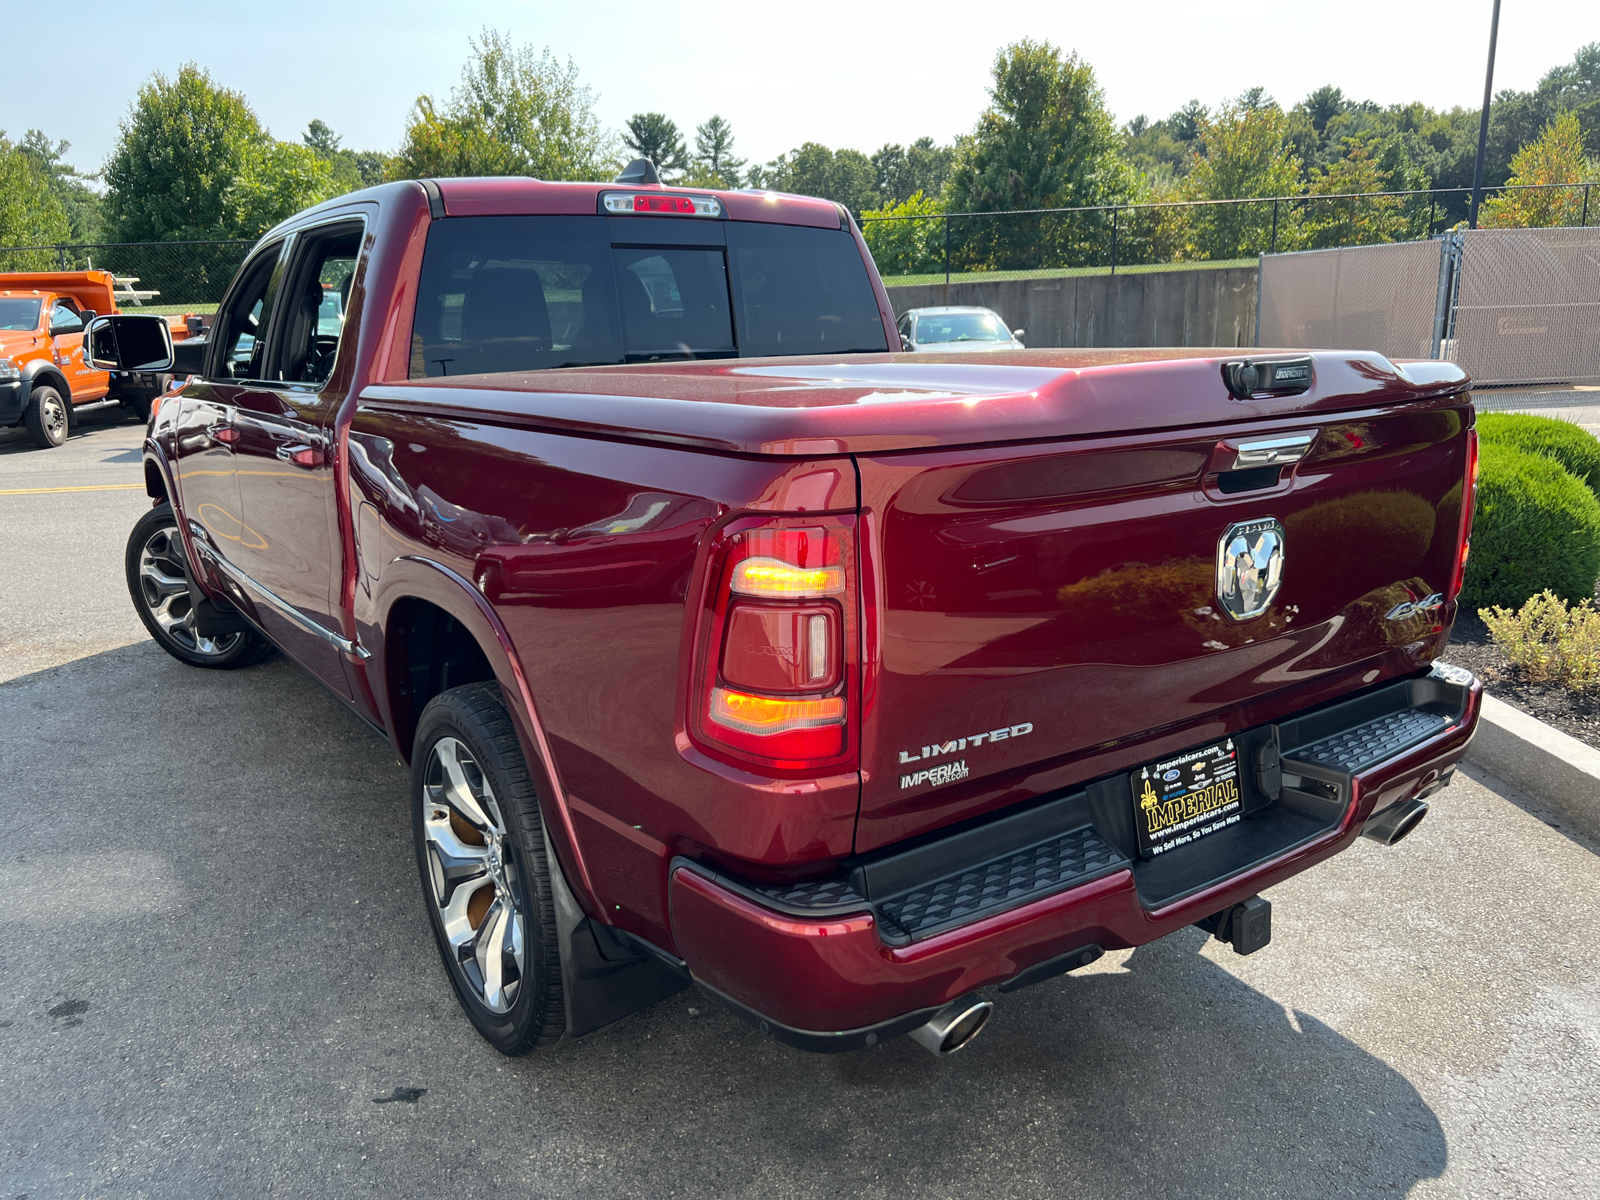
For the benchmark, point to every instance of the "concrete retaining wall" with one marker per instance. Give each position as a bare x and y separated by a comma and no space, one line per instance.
1215,307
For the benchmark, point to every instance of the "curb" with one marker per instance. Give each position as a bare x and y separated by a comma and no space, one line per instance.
1544,762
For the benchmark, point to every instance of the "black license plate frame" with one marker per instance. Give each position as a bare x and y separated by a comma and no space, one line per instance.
1185,797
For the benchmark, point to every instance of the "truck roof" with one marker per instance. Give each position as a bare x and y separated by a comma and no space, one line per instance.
517,196
868,403
91,289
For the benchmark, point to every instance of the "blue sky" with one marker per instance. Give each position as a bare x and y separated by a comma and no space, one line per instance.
846,75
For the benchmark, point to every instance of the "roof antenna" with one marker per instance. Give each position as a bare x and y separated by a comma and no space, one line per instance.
639,171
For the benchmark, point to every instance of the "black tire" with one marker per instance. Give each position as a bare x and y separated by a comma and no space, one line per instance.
497,852
139,405
48,417
158,583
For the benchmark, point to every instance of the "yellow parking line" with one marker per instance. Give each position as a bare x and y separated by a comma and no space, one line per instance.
99,487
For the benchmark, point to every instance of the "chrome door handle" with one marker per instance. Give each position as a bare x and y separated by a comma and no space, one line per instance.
226,434
300,455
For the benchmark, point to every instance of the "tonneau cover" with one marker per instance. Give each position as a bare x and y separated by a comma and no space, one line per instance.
875,403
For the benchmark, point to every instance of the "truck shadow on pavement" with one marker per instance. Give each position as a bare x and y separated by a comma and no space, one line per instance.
224,900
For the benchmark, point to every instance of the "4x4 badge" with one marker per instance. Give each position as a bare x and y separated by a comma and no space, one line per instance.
1249,567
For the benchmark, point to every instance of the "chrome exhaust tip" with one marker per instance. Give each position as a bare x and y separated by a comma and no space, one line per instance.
1393,824
953,1026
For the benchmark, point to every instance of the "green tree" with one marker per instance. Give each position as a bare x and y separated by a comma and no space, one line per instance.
83,203
179,153
1186,122
31,214
714,164
1367,164
1245,155
908,238
1045,141
904,171
343,169
1555,157
846,177
651,135
279,179
513,113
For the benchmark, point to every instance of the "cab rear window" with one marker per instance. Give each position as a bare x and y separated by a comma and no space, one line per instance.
535,292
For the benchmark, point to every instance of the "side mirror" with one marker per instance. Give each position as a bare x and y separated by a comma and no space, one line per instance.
1017,333
128,343
88,315
905,342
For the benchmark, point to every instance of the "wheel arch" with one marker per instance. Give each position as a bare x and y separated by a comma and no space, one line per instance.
412,588
44,373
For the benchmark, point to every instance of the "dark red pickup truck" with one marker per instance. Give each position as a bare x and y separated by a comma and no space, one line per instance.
729,646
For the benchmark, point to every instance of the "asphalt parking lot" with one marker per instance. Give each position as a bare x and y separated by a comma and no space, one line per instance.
216,979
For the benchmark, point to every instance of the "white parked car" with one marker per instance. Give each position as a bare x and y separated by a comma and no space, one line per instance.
956,329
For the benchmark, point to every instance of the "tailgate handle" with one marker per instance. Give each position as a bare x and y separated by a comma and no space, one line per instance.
1272,452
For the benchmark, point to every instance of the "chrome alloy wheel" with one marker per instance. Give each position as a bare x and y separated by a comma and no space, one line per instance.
475,884
53,416
165,588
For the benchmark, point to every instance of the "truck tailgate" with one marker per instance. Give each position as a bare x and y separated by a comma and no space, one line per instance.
1048,612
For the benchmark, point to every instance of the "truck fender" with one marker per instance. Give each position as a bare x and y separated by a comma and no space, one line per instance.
155,461
414,577
43,371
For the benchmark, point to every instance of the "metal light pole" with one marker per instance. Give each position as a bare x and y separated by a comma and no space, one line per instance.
1483,120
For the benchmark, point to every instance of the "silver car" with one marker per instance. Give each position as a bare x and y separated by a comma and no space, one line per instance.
956,330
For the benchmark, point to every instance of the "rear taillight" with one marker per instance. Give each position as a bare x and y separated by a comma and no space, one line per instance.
776,650
1469,501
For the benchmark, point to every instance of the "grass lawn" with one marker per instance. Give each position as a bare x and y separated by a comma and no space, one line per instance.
177,310
1061,272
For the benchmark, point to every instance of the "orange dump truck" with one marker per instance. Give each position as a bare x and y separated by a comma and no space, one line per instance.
44,381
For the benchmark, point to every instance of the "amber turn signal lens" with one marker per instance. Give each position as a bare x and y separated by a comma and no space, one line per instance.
776,579
767,715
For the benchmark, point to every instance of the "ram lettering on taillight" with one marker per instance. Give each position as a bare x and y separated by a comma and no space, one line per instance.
776,649
1469,501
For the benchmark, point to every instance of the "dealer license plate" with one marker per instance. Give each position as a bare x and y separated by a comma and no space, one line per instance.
1182,799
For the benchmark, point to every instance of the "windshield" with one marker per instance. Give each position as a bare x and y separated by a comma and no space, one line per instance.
534,292
961,327
22,314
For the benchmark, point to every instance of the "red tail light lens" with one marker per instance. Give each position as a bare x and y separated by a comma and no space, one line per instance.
662,205
1469,502
777,644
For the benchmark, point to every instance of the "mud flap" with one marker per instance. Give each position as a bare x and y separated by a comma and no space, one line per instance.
603,976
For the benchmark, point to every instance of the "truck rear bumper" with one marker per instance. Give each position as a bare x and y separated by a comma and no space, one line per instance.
832,966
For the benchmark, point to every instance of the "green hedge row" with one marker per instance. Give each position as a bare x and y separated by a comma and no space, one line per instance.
1538,521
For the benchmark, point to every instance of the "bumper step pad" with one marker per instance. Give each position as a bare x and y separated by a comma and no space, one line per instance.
1074,857
1356,749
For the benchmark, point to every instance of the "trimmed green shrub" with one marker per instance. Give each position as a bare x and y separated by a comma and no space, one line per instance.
1573,446
1537,528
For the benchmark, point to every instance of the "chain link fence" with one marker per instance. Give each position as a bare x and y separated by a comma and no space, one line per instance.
1382,298
1527,306
998,246
1510,306
158,277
